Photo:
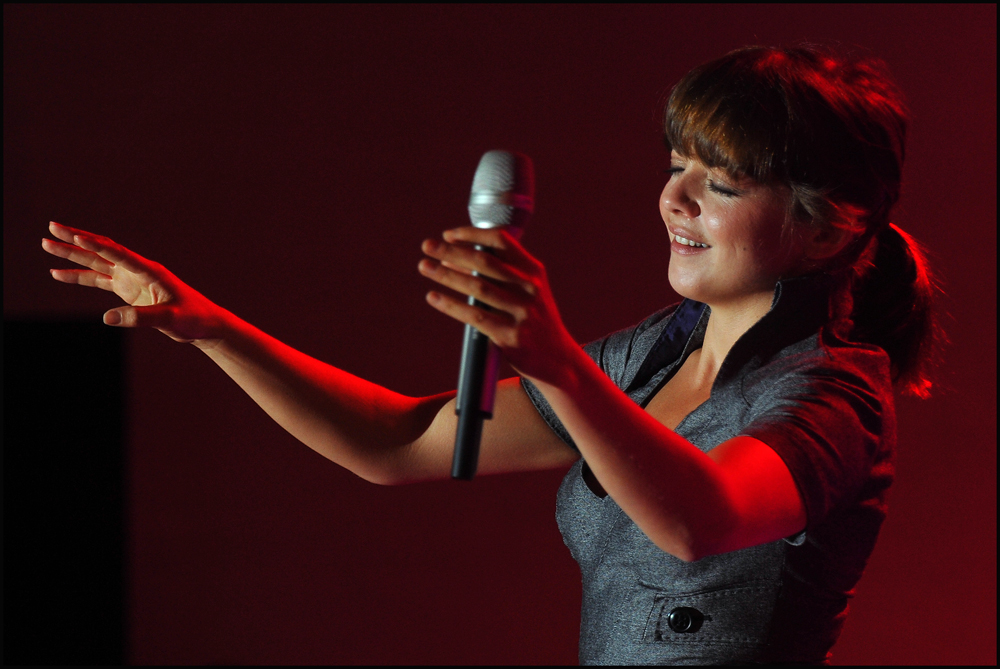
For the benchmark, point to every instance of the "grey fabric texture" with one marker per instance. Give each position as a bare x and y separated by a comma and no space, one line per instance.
825,405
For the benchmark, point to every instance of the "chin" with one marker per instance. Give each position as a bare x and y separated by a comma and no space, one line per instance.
687,287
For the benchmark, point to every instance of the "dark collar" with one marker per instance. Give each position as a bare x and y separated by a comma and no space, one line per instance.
800,306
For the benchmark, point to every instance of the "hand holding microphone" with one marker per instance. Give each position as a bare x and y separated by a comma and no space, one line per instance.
502,199
509,306
503,196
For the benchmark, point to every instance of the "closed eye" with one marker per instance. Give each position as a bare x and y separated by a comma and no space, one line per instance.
712,186
721,190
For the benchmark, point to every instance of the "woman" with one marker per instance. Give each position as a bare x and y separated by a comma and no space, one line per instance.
730,455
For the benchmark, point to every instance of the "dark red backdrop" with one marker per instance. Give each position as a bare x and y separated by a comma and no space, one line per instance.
288,162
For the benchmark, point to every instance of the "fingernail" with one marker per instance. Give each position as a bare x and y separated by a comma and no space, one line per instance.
112,318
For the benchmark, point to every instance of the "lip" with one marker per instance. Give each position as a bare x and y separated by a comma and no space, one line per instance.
677,247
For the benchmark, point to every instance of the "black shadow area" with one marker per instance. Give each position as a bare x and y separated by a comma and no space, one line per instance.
63,501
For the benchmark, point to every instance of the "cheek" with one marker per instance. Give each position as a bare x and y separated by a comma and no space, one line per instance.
747,227
726,229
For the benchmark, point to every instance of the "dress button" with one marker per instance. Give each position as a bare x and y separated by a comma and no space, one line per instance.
685,619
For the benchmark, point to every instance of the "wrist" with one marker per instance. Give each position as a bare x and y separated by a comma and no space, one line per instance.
222,328
567,373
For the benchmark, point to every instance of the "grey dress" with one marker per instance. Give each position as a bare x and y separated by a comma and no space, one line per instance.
825,405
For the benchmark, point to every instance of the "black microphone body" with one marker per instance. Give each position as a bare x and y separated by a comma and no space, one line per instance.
503,195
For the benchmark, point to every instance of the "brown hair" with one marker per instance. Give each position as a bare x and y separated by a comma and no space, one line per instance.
833,129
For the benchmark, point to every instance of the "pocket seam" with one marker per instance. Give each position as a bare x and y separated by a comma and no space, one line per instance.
661,600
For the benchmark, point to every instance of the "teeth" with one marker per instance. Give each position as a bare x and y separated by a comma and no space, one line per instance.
681,240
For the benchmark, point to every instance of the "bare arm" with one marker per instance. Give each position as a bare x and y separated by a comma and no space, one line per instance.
376,433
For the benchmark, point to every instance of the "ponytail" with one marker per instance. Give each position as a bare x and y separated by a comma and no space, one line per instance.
892,308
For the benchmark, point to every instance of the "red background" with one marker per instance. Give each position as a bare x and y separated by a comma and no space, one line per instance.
287,162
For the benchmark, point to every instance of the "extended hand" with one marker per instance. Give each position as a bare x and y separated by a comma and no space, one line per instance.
525,323
158,298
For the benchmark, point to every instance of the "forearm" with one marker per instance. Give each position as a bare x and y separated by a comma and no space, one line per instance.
355,423
670,489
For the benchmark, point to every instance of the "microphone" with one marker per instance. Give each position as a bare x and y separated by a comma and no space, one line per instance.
503,195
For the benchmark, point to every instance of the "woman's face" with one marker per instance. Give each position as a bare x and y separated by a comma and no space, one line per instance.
736,227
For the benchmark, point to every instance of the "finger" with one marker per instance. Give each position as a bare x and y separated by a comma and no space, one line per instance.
497,296
457,268
469,259
155,316
64,232
102,246
112,251
78,255
505,246
83,277
493,324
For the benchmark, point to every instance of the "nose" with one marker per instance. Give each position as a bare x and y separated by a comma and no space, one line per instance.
675,199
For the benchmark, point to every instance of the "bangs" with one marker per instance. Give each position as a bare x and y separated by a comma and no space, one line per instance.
729,116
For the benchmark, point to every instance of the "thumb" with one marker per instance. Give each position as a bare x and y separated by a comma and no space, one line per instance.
157,315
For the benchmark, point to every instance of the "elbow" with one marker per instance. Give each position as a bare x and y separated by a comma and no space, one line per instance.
392,479
692,551
715,529
383,473
684,546
714,539
696,548
701,537
379,478
700,551
686,554
393,468
379,471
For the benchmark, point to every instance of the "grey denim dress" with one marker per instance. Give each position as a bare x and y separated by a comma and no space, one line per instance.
825,405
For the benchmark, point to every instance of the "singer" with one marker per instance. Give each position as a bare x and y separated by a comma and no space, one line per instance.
729,456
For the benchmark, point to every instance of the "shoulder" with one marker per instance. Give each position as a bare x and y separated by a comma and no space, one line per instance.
823,360
825,392
825,400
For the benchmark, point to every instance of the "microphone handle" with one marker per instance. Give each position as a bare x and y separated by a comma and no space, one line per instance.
477,385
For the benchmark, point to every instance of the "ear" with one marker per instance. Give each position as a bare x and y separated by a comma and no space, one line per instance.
826,242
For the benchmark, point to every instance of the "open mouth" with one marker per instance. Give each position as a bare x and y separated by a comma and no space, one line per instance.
688,242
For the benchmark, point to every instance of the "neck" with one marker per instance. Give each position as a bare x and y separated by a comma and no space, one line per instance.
726,324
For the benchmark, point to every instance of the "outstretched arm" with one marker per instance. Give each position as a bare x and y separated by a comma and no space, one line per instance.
376,433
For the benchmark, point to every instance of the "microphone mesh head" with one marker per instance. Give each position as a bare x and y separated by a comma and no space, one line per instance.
495,172
503,190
